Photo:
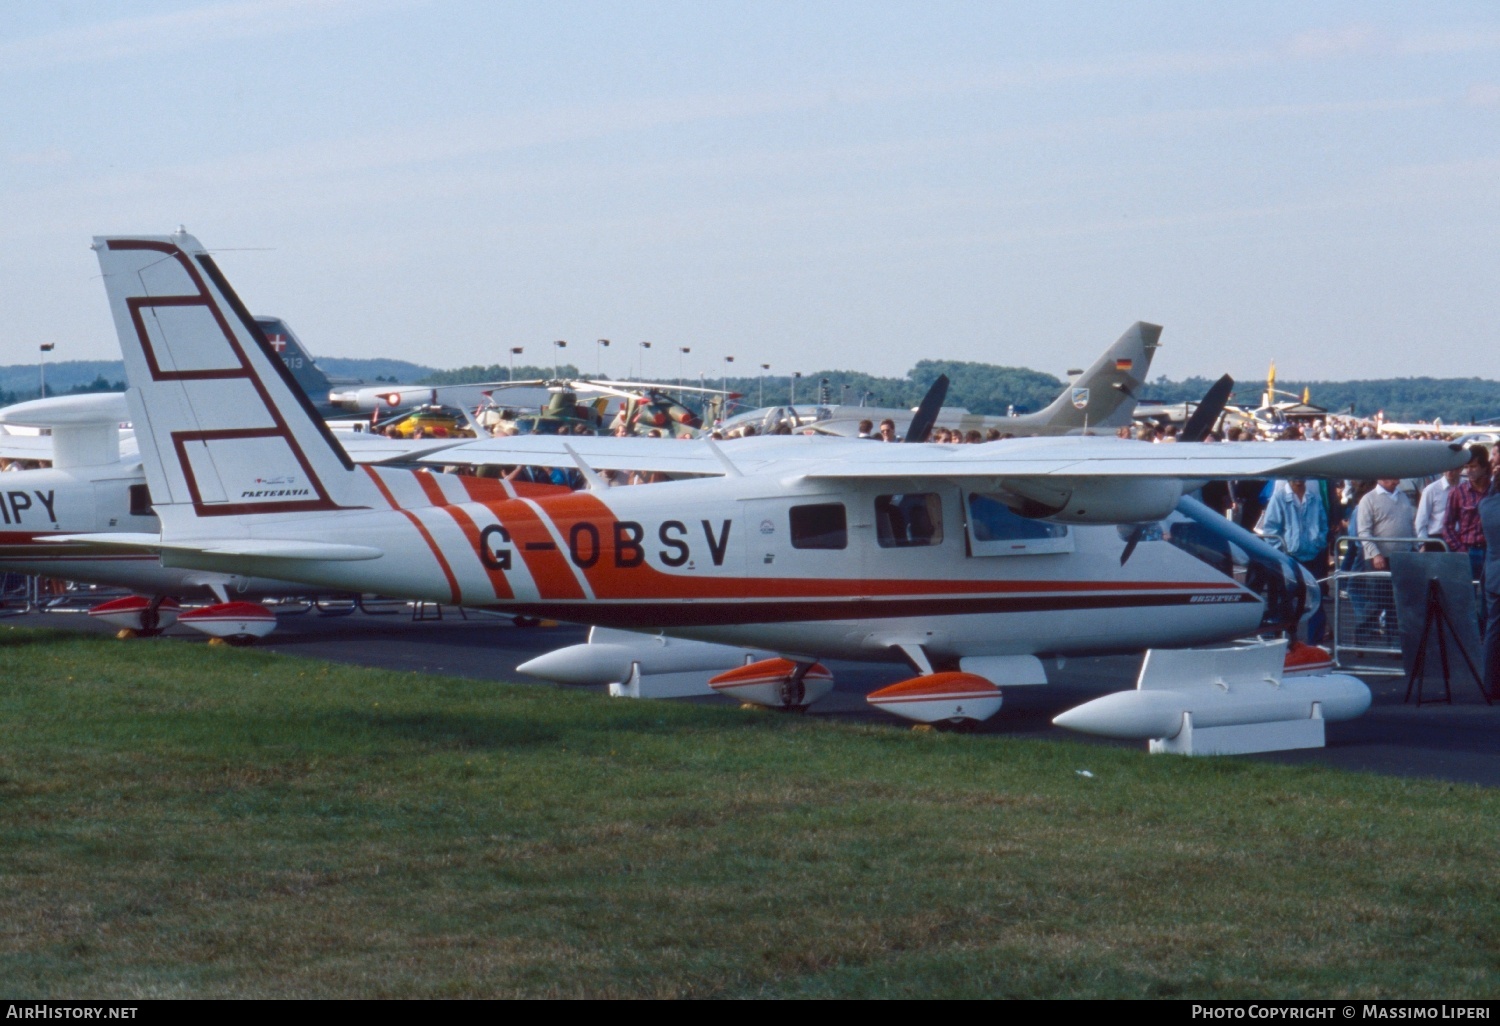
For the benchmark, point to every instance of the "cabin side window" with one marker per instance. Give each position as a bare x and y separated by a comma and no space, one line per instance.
994,530
140,501
908,521
820,526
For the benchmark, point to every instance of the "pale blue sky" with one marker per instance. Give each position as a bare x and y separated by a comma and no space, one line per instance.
851,185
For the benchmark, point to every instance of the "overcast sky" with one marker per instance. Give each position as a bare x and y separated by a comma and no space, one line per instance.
808,184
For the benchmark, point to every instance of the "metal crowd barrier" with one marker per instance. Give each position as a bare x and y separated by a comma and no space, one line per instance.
1363,622
17,594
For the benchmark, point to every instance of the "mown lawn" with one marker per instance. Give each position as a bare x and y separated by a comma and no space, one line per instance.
177,820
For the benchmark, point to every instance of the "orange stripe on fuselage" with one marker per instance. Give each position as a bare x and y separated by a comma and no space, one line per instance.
466,524
549,567
610,581
421,528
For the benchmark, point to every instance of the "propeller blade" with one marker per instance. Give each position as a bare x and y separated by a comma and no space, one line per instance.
927,411
1195,430
1208,412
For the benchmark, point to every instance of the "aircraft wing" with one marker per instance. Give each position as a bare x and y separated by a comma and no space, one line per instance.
25,447
1062,457
363,447
661,455
1118,458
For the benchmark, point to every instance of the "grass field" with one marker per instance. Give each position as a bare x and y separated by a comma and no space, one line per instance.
177,820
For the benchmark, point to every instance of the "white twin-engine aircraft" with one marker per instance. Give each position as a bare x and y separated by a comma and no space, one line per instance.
965,562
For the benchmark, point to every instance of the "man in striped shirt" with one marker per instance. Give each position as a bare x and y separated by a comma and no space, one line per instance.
1462,528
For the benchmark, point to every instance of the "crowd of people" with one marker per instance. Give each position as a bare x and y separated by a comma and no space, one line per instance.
1359,525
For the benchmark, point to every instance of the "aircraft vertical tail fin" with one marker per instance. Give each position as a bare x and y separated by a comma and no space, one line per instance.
1104,396
224,430
294,355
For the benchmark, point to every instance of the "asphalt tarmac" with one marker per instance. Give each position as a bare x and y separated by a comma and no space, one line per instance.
1458,742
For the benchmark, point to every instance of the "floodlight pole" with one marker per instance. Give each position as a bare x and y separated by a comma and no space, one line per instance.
681,352
727,361
46,347
514,352
644,346
793,400
560,344
600,345
761,397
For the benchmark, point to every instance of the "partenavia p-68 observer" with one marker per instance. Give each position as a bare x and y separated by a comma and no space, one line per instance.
966,562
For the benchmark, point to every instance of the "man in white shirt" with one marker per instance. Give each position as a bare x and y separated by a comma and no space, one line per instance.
1434,503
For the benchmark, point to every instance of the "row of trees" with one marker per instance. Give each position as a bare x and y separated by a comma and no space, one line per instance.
981,387
99,384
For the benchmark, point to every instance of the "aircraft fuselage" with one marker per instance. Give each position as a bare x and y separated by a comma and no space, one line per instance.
826,570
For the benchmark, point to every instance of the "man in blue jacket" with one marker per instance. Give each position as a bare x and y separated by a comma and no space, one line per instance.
1296,515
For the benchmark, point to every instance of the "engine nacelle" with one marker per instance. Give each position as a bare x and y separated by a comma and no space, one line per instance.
1095,500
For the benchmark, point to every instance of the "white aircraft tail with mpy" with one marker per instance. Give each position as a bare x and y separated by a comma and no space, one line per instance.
234,434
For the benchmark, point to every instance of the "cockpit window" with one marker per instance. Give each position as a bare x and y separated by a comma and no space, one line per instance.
908,521
995,530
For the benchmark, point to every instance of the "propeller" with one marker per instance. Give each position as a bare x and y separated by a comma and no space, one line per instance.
1208,412
927,411
1195,430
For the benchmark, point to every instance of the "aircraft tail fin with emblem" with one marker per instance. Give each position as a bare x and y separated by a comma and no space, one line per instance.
224,430
1104,396
294,355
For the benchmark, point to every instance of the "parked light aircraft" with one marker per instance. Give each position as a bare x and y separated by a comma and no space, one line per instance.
548,406
953,559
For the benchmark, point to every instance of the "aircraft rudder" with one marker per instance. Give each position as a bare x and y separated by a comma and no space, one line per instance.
231,432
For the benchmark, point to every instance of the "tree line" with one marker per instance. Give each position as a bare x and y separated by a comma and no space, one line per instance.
981,387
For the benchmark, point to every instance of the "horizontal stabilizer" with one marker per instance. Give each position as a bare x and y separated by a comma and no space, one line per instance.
115,540
264,548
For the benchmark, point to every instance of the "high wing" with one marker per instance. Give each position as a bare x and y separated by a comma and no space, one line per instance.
659,455
1017,458
25,447
378,449
1119,458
